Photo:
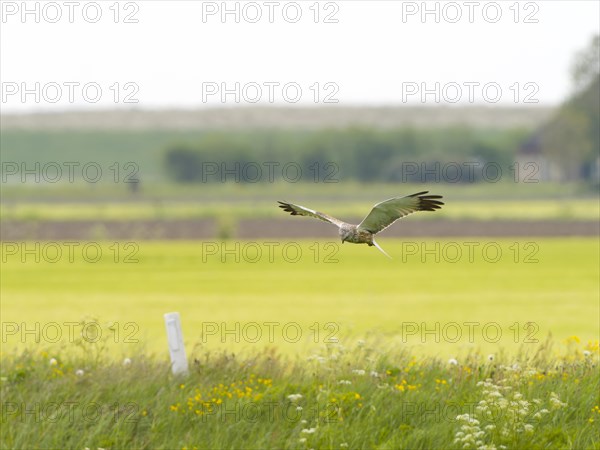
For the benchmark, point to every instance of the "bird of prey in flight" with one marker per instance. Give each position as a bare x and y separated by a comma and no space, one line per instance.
381,216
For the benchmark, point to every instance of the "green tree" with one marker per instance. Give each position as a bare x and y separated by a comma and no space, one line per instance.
586,65
572,137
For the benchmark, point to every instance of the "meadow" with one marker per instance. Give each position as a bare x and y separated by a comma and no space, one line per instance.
340,397
300,344
549,209
471,343
436,295
505,200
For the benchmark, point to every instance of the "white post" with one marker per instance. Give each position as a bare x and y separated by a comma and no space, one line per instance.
179,363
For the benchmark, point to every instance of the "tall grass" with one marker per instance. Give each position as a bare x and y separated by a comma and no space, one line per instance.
358,396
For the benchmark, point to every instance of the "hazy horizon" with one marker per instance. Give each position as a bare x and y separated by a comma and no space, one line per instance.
185,54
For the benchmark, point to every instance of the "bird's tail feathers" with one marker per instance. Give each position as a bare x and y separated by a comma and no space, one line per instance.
380,249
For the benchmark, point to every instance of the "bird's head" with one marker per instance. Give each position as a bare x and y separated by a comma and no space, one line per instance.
344,235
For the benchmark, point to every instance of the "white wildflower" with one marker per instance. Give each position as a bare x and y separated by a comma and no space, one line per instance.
374,374
127,362
294,397
79,372
555,401
344,382
358,372
473,421
308,430
302,440
490,357
53,362
452,362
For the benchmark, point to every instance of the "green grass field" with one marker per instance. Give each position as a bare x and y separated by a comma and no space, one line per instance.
488,344
108,201
344,397
436,295
316,346
545,209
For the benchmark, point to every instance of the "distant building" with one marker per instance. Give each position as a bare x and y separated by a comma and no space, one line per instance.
530,157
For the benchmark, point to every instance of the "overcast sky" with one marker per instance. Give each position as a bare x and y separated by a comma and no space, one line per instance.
183,54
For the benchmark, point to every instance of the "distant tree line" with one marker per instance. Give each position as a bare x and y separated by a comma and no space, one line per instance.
571,138
367,155
568,144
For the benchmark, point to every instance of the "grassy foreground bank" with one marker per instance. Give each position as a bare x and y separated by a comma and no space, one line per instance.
337,397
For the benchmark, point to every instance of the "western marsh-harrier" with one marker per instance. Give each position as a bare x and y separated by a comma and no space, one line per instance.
381,216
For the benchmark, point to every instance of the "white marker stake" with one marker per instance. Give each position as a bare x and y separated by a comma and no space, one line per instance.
179,363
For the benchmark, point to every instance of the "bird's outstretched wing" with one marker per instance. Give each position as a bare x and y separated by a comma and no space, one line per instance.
387,212
297,210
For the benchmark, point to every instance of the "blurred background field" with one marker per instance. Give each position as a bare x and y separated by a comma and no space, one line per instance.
171,182
353,289
348,200
549,289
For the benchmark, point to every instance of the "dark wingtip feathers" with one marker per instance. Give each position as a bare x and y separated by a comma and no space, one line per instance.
428,202
287,208
418,194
